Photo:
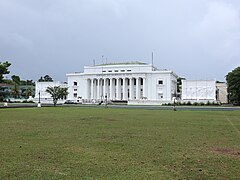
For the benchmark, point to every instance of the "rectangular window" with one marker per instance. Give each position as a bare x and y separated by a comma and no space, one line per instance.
75,95
75,83
160,82
129,70
75,89
104,71
110,71
122,70
116,70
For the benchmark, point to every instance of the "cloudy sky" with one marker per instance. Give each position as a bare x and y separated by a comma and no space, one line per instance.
198,39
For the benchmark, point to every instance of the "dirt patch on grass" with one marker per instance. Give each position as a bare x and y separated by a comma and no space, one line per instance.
90,118
226,151
110,119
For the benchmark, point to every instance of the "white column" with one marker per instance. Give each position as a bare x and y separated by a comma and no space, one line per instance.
88,89
111,88
99,89
118,89
124,89
137,89
92,88
131,88
144,88
104,88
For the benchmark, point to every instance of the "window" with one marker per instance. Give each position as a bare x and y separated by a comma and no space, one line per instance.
75,83
129,70
103,71
122,70
160,82
75,95
110,71
75,89
116,70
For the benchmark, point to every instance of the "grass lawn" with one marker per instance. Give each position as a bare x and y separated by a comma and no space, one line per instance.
95,143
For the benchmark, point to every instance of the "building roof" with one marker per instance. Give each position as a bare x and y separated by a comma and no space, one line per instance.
123,63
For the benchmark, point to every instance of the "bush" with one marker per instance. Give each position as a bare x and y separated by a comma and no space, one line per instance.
25,101
195,104
189,103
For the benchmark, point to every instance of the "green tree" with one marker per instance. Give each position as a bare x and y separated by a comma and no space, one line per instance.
15,90
4,69
179,84
46,78
57,93
28,92
233,81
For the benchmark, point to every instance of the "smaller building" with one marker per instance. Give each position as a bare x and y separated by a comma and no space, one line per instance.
221,92
42,95
199,90
23,92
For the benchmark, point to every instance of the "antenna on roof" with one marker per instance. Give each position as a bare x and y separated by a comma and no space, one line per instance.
152,59
102,59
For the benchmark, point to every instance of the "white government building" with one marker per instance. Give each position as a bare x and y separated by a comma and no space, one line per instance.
134,82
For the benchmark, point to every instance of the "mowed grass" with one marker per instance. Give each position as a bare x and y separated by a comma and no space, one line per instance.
95,143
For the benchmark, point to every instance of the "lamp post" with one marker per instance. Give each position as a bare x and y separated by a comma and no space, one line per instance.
106,101
39,102
174,103
102,95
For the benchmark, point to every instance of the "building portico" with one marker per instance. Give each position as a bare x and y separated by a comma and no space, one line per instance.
116,88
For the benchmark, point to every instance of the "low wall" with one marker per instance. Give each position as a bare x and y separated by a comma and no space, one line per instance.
147,102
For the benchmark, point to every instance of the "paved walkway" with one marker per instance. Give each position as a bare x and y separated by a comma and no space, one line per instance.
196,108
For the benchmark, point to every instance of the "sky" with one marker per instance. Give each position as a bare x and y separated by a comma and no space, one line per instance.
197,39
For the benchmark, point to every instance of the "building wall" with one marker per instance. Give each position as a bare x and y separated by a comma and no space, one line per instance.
41,88
198,90
222,94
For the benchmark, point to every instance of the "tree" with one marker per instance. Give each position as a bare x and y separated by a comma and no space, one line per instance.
4,69
46,78
179,84
57,93
16,79
15,91
233,81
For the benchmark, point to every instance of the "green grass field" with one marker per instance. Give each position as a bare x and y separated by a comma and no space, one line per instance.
95,143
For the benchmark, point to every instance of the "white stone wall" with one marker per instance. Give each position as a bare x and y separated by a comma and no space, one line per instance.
198,90
222,94
42,86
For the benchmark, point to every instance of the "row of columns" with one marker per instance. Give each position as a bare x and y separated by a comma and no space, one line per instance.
116,88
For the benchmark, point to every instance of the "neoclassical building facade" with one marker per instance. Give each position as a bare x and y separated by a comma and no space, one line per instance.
130,81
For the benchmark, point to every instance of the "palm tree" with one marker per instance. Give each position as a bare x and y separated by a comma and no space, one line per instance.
57,93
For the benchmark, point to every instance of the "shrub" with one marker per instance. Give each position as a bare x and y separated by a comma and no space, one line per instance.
189,103
195,104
